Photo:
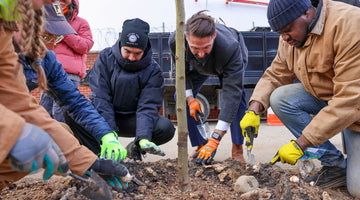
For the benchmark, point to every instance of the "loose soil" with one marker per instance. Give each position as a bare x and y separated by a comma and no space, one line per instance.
160,178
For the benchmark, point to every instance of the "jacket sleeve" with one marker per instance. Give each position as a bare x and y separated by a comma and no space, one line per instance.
102,96
343,109
232,84
81,43
70,99
276,75
150,101
11,125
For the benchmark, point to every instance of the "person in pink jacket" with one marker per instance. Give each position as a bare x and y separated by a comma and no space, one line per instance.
72,52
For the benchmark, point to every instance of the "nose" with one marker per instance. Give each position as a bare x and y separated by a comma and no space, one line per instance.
201,54
132,57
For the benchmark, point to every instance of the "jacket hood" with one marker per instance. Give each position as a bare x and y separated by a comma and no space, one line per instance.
144,62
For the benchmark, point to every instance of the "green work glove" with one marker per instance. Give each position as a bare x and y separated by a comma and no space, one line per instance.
151,147
289,153
250,119
35,149
111,148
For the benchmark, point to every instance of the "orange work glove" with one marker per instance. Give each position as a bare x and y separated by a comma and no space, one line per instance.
207,152
195,110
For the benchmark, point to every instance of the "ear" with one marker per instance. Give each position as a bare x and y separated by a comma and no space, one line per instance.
309,14
215,34
186,37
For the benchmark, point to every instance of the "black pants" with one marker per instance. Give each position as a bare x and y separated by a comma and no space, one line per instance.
163,132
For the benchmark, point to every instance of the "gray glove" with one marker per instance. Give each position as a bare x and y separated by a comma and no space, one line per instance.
36,149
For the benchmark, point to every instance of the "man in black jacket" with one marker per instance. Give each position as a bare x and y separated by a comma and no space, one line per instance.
128,89
214,49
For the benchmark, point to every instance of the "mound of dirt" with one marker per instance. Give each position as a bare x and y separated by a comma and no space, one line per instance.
158,180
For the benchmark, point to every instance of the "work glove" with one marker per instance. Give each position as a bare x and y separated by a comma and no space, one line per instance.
151,147
195,110
36,149
252,120
114,173
111,148
289,153
207,153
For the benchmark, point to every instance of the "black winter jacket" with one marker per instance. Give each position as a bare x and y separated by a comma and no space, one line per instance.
120,88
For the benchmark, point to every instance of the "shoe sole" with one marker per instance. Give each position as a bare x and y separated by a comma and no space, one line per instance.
339,182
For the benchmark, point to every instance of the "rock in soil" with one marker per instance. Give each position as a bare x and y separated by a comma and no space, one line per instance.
161,183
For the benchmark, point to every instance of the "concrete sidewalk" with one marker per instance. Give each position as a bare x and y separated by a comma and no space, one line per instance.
269,140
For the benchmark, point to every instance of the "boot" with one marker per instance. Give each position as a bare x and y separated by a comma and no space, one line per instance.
237,153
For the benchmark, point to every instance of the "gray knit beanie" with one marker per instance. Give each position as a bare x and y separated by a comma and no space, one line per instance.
282,12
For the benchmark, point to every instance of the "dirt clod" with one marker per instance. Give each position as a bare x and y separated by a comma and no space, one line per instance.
161,183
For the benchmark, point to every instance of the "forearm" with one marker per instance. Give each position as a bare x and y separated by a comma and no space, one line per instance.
256,107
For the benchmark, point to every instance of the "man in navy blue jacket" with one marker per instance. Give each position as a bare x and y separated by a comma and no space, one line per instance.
128,89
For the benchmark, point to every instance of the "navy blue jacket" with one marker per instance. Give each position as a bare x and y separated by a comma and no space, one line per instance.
120,88
227,60
63,91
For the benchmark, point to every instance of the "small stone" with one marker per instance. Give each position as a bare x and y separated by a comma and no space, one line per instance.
141,189
199,172
219,168
312,183
222,176
150,171
294,179
245,184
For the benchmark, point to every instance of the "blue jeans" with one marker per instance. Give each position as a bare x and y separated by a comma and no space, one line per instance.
54,110
194,135
294,107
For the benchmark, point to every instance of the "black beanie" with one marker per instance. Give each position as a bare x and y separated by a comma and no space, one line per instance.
135,33
280,13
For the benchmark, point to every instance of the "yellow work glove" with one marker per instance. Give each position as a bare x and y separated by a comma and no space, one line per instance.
111,148
250,119
289,153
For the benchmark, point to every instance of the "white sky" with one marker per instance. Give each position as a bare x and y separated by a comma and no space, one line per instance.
106,16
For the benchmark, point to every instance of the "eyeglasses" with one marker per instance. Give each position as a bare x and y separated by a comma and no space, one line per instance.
51,38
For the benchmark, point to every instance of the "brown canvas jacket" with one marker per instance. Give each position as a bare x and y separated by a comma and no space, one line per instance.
328,66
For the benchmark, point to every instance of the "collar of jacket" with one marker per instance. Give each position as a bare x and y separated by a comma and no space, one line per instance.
132,66
316,25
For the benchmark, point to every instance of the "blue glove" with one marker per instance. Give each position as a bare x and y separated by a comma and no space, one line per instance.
35,149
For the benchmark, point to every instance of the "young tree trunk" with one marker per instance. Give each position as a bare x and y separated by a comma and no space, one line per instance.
183,167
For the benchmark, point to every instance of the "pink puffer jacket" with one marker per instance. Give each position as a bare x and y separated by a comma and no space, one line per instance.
72,50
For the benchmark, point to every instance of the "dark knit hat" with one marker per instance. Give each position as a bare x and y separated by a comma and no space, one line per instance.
280,13
135,33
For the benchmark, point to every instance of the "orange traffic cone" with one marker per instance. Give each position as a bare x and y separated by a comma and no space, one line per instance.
272,119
